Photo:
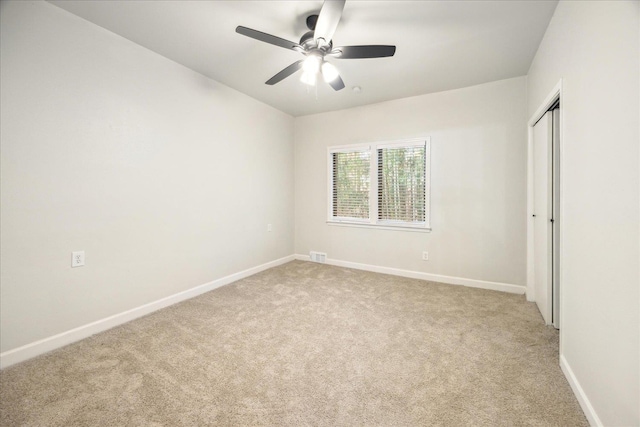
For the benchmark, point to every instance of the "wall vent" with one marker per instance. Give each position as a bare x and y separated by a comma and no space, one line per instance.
318,256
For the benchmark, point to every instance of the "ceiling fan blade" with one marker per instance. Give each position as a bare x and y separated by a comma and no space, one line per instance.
285,73
328,20
337,83
268,38
370,51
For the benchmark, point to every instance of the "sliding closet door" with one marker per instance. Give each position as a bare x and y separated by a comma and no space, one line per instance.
555,225
543,211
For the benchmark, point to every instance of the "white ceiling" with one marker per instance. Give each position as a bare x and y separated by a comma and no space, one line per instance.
441,45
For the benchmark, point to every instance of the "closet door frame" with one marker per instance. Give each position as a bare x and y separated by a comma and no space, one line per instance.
554,95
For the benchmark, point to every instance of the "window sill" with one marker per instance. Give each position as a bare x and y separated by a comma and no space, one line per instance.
379,227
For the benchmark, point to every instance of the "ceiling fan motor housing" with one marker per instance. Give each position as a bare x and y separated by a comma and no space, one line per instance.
309,43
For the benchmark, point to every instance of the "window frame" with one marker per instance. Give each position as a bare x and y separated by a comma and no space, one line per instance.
373,221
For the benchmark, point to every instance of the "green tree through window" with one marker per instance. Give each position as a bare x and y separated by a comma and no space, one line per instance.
351,180
401,179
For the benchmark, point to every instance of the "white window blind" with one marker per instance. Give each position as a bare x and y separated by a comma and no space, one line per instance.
382,184
351,180
401,184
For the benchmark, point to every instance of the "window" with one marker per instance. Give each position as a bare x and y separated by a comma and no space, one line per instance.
351,183
384,184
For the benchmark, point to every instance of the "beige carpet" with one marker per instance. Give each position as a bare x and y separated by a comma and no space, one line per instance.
307,344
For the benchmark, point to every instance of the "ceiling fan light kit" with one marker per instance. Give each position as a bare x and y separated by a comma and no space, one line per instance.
312,63
309,78
316,45
329,72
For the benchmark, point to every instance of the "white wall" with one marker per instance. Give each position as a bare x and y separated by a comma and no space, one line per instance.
165,178
478,176
593,47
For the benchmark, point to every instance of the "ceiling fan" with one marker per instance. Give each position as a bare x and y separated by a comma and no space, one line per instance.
317,45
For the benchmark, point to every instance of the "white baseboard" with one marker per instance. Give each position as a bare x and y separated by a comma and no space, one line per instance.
45,345
586,406
473,283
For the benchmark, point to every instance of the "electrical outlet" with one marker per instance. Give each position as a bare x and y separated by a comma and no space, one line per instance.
425,256
269,228
77,259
